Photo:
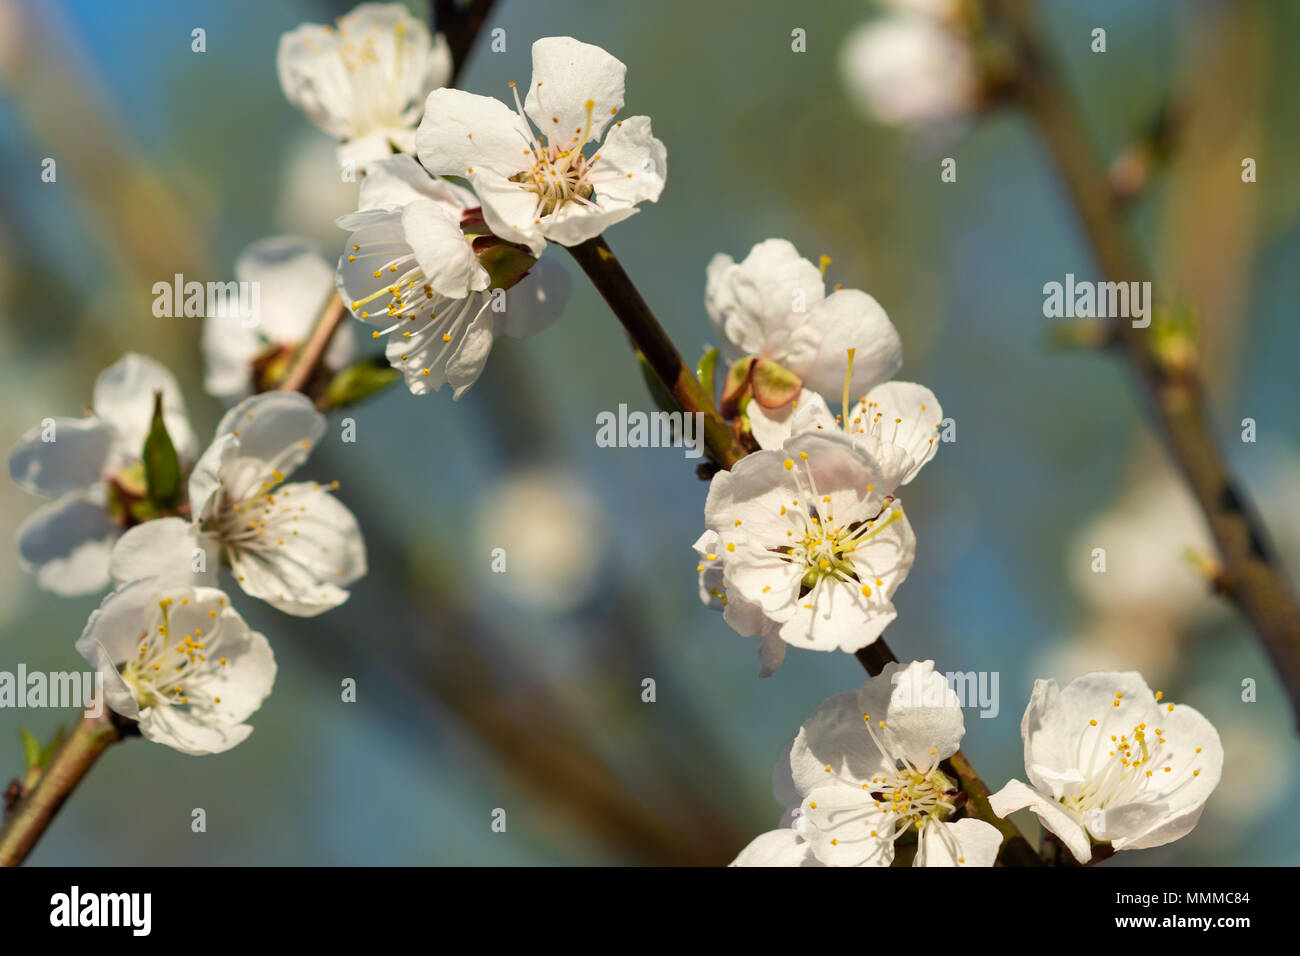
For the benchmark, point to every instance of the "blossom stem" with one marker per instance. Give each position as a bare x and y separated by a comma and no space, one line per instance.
55,783
1015,849
650,339
1251,576
307,361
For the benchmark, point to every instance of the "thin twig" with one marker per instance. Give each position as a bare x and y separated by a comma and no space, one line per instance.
1252,578
649,337
307,361
33,813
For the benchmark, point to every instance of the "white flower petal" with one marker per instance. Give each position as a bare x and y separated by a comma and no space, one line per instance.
440,247
276,432
922,714
845,827
463,134
1068,826
782,847
756,306
124,397
164,549
966,842
73,461
309,571
846,319
67,543
535,302
567,75
834,737
633,165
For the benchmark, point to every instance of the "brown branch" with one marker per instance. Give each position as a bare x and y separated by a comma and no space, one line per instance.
307,360
32,814
1253,580
650,339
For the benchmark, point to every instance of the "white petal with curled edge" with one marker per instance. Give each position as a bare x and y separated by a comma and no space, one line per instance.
67,544
123,397
567,75
444,254
1055,817
907,417
633,165
752,304
229,349
276,432
783,847
921,712
73,460
572,224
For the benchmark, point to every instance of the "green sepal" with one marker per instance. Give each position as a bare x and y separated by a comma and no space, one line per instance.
162,467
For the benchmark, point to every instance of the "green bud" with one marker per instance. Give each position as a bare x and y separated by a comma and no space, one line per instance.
359,381
162,468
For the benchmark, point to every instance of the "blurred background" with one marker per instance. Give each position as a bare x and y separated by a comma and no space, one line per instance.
523,691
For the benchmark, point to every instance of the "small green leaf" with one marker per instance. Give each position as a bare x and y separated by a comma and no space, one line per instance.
359,381
162,468
704,371
662,397
773,385
31,748
60,735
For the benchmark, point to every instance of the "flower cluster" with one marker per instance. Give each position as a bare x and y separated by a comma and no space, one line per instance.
866,775
807,540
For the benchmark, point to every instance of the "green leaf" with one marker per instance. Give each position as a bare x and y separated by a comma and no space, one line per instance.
773,385
704,371
31,748
662,397
162,468
359,381
53,746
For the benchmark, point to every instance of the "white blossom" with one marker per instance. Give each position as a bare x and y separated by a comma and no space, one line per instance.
773,306
181,662
91,466
562,182
294,545
807,545
364,81
411,272
295,284
864,771
1111,762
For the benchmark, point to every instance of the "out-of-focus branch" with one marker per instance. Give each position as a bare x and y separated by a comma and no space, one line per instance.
460,22
307,361
1251,576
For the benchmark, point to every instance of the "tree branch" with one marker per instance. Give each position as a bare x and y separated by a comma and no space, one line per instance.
33,813
1252,578
650,339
